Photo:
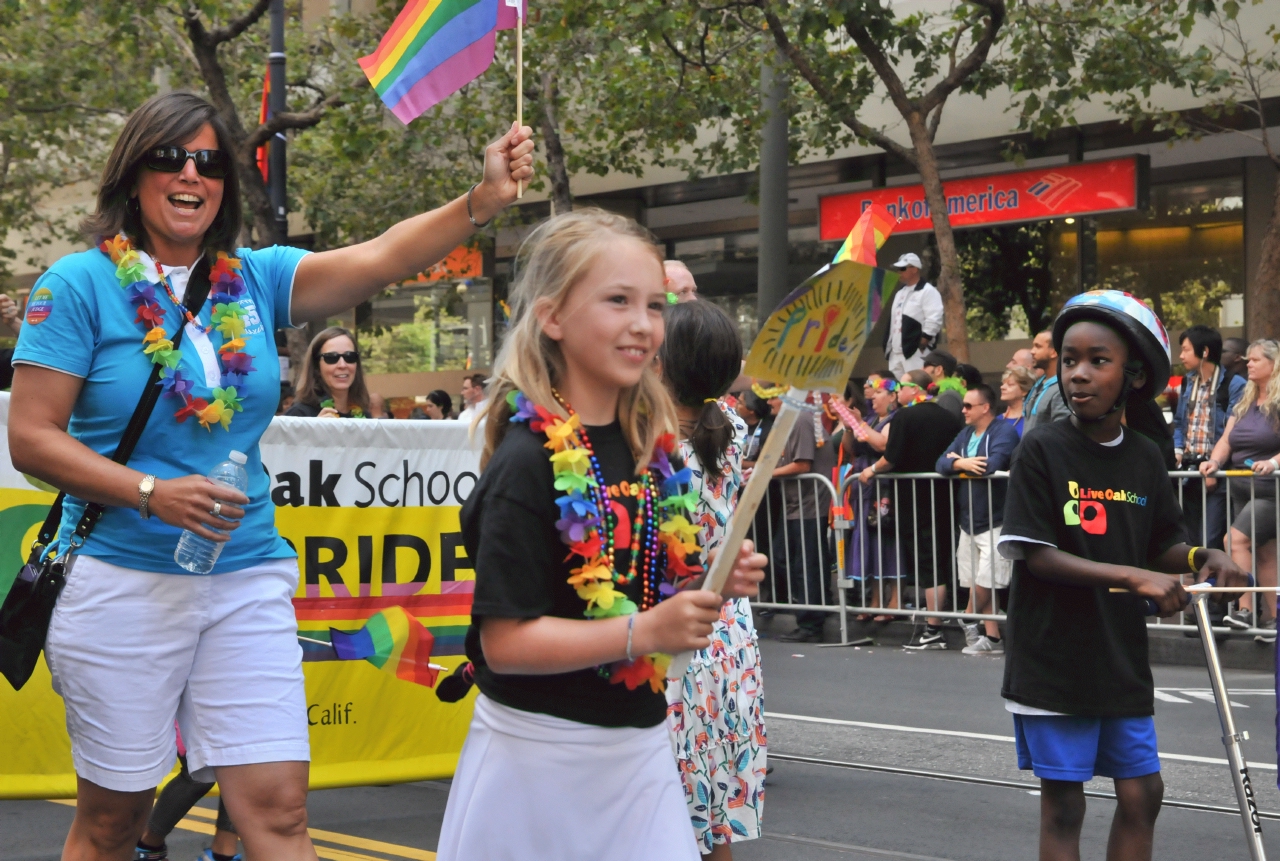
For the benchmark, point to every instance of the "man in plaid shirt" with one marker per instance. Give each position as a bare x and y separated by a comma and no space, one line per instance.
1209,394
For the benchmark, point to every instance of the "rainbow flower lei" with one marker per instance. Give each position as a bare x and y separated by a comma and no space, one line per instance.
662,541
228,318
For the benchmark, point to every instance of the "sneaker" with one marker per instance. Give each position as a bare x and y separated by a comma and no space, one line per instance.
972,634
801,635
207,855
930,639
161,854
984,646
1241,620
1269,637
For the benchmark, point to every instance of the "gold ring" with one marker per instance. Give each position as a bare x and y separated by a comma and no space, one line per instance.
217,509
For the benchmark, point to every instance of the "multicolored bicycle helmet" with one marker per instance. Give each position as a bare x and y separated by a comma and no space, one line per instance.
1136,323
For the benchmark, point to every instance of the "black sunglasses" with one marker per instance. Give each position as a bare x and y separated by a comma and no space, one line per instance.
211,163
968,406
351,357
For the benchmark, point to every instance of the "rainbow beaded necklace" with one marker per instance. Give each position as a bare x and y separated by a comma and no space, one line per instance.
662,539
228,318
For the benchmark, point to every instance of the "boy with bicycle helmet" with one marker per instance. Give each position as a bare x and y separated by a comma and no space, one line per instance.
1090,509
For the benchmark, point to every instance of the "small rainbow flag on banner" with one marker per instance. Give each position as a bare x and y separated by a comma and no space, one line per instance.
392,640
434,48
869,233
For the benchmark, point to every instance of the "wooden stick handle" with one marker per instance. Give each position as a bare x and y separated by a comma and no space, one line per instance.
745,513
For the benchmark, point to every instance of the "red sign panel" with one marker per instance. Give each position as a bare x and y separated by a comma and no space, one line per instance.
1026,195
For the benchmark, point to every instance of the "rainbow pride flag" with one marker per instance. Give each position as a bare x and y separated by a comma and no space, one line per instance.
869,233
434,48
392,640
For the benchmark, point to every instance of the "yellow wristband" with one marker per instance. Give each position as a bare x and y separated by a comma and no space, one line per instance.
1191,560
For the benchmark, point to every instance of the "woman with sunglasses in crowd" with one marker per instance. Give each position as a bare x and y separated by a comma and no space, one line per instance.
331,384
136,640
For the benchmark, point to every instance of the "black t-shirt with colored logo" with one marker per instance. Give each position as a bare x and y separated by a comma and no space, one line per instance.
1071,649
522,571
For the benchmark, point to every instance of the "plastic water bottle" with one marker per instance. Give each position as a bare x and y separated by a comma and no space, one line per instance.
197,554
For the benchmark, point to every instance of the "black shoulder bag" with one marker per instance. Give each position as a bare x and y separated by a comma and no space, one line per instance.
27,609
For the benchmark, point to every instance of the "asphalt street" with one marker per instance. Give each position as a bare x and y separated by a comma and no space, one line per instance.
936,712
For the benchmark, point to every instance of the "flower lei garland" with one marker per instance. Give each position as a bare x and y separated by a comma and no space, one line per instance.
662,537
228,318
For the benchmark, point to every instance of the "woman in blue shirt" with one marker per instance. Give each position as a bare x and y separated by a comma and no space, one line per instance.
135,640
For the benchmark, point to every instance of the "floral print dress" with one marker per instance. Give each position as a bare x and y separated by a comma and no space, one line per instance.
716,713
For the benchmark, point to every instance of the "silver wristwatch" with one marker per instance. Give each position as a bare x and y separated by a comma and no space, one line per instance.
145,487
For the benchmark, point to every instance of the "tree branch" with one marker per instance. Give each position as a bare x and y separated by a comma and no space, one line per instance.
883,68
935,119
827,95
206,54
289,120
227,32
972,61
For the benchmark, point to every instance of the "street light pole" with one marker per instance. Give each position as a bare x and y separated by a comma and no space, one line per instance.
276,103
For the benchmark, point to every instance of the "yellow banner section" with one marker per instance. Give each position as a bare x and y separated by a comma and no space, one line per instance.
367,725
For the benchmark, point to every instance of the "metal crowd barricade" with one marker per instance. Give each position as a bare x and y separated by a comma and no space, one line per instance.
903,533
876,552
793,529
1239,488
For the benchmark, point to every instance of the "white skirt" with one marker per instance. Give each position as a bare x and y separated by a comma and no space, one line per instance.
533,786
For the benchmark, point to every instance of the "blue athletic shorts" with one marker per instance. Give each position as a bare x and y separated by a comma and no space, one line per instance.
1073,748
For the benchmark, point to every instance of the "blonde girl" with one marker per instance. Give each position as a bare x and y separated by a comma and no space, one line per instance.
580,544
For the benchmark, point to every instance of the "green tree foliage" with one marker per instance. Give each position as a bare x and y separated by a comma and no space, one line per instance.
1005,268
69,73
430,342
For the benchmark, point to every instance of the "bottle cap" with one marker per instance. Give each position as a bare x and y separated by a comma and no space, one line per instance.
238,457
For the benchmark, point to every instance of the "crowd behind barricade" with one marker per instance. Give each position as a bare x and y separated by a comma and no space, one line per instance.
907,541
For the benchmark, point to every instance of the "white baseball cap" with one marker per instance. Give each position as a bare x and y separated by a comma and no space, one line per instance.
908,259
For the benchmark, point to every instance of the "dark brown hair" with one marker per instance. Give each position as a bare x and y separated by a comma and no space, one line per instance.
701,357
311,387
168,120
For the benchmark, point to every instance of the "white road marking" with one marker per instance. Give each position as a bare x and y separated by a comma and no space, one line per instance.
1209,698
1008,739
1235,692
1169,698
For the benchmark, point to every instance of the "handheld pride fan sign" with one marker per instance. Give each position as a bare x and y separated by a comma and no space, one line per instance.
811,342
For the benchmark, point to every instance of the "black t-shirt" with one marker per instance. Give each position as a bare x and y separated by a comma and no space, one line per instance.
509,530
919,435
1072,649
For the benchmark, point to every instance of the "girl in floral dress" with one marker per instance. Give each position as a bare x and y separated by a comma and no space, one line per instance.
716,711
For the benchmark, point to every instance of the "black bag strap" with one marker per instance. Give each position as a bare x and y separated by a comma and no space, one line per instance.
196,293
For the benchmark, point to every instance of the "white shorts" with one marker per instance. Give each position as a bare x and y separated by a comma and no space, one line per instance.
532,787
977,553
130,650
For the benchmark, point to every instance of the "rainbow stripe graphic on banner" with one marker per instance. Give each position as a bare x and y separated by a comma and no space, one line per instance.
393,641
434,48
443,618
868,234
